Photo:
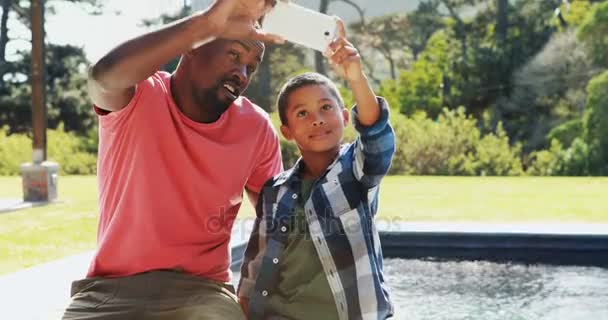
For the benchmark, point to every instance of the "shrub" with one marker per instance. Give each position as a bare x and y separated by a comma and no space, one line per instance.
63,147
494,156
566,132
595,123
452,145
15,149
557,161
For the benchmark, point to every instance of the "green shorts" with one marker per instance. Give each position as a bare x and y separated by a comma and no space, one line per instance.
153,295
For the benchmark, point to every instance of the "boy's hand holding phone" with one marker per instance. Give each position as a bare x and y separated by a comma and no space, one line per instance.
344,57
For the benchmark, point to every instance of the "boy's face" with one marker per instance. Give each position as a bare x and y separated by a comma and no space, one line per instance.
315,120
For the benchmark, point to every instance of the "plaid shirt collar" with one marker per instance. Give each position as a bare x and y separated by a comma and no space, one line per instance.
293,175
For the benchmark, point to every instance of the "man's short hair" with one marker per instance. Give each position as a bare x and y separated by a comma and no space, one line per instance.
303,80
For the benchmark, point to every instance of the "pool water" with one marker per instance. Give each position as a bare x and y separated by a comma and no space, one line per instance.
491,291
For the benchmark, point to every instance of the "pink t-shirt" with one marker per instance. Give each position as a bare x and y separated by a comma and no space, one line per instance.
170,188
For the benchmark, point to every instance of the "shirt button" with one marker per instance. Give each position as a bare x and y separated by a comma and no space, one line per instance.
294,196
265,293
284,229
275,260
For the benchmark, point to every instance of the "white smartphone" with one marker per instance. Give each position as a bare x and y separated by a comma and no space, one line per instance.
301,25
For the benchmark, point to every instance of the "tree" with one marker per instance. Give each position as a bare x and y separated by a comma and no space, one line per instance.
387,35
67,99
594,33
323,8
595,123
280,63
21,11
548,91
66,75
421,88
423,23
400,38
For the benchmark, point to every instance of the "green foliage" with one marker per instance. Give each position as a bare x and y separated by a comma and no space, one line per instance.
63,147
594,33
493,156
452,145
14,150
421,88
548,90
67,97
388,36
280,63
566,132
595,123
67,149
575,12
557,161
289,152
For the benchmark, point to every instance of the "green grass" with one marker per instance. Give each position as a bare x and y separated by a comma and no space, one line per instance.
495,199
38,235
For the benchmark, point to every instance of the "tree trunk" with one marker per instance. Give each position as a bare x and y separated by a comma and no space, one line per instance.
360,10
6,4
386,52
319,58
502,21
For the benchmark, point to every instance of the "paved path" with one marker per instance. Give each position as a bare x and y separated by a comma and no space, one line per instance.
12,204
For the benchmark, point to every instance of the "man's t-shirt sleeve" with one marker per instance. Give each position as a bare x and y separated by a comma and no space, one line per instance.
107,118
269,158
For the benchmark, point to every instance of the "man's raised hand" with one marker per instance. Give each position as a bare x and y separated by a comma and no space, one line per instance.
238,19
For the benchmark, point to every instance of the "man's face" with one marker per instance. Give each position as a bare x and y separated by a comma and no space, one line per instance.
221,71
315,120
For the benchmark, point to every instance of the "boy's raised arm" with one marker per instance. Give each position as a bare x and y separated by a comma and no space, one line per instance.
346,61
376,144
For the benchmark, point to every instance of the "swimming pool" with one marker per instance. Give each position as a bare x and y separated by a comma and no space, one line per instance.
505,272
446,290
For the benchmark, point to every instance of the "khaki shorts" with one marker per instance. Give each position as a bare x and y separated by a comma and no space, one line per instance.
153,295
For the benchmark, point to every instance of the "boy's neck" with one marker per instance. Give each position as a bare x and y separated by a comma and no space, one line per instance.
315,163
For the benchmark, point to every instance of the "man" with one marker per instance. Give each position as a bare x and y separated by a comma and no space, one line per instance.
175,153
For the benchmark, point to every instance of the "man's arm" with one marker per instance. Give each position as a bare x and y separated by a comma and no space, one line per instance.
113,78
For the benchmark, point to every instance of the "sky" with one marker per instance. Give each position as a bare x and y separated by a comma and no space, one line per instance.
121,20
99,34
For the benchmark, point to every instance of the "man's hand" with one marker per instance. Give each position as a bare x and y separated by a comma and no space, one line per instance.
344,57
238,19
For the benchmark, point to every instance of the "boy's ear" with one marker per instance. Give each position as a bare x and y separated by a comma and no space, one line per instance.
286,132
346,116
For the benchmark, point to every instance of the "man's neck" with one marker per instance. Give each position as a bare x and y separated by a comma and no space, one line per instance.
315,163
184,100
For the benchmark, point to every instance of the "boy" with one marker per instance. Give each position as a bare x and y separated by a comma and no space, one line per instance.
329,197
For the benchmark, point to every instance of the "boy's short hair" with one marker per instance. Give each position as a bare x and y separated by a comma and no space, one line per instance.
303,80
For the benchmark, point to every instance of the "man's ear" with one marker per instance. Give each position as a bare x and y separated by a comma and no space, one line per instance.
286,132
346,116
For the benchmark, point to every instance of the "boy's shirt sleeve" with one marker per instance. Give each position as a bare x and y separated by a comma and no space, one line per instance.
254,252
374,148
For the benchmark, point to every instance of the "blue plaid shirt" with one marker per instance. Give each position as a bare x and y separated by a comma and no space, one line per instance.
339,212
